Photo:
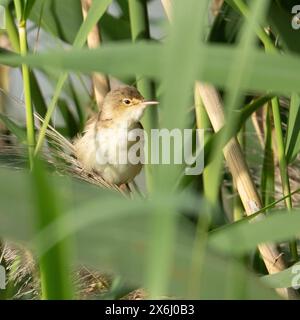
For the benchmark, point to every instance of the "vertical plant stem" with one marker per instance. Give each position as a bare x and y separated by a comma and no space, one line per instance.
164,226
27,94
204,218
139,22
268,175
283,167
203,122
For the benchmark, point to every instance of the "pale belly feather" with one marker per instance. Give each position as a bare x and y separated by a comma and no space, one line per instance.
106,153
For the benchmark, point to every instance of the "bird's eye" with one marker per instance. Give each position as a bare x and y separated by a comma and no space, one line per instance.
127,101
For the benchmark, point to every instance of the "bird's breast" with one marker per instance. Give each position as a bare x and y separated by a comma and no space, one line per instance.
119,153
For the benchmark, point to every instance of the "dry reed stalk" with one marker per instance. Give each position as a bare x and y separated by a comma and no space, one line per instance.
100,82
271,256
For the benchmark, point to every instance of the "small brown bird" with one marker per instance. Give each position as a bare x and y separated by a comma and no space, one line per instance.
108,134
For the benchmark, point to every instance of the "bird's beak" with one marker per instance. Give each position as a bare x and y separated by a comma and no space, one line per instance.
149,103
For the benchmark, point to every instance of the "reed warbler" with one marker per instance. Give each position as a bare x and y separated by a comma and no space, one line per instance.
96,149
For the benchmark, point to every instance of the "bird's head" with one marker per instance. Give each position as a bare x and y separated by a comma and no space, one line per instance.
124,104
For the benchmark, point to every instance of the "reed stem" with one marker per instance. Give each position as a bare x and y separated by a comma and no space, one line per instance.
27,94
283,168
267,175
